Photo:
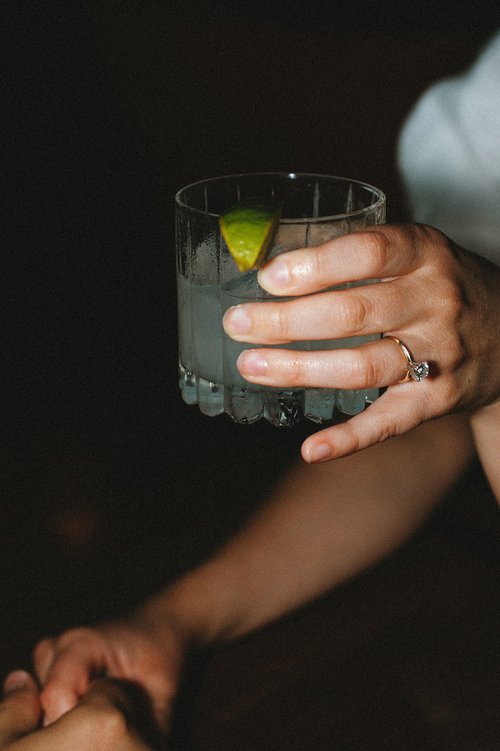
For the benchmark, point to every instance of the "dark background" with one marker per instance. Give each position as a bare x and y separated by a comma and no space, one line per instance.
112,486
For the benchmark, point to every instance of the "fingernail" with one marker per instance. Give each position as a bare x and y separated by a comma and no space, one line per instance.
276,274
252,362
319,453
237,320
16,680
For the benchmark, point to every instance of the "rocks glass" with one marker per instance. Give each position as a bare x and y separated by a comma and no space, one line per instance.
314,209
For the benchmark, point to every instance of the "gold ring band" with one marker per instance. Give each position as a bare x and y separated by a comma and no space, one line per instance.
415,371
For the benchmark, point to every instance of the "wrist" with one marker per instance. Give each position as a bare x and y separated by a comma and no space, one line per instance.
192,608
161,617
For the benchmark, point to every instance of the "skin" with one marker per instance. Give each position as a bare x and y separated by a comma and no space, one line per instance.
98,715
323,525
440,300
485,425
128,650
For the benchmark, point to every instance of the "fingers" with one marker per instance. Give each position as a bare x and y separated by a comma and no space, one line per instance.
418,285
20,709
399,409
66,667
370,365
376,253
103,713
103,719
356,311
43,657
68,664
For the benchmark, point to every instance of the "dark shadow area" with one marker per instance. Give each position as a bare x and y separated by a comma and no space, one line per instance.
403,657
112,486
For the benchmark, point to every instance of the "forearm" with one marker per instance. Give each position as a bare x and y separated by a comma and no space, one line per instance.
325,524
485,425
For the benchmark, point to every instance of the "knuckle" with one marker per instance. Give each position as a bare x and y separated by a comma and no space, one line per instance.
320,264
296,372
451,295
293,368
377,249
386,432
422,238
365,373
278,320
356,369
353,312
423,233
353,440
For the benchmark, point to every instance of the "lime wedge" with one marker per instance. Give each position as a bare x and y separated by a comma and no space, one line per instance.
248,230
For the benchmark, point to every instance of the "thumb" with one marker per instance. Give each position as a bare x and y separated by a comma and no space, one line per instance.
20,709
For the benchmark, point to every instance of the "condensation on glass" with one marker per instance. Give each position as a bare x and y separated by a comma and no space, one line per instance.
314,209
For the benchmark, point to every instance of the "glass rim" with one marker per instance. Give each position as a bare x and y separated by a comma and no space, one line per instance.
380,201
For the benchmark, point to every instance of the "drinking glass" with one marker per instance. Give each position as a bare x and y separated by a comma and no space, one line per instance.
314,209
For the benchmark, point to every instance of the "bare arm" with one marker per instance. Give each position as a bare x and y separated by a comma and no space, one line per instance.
486,430
325,524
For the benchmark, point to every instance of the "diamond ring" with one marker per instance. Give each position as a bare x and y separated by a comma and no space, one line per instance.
416,371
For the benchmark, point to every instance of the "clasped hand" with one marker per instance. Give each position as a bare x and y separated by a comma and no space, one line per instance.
440,300
102,719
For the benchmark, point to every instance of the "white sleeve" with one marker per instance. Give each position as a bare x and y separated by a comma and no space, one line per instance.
449,155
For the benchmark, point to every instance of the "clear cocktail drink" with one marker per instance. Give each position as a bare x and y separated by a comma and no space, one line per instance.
208,283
